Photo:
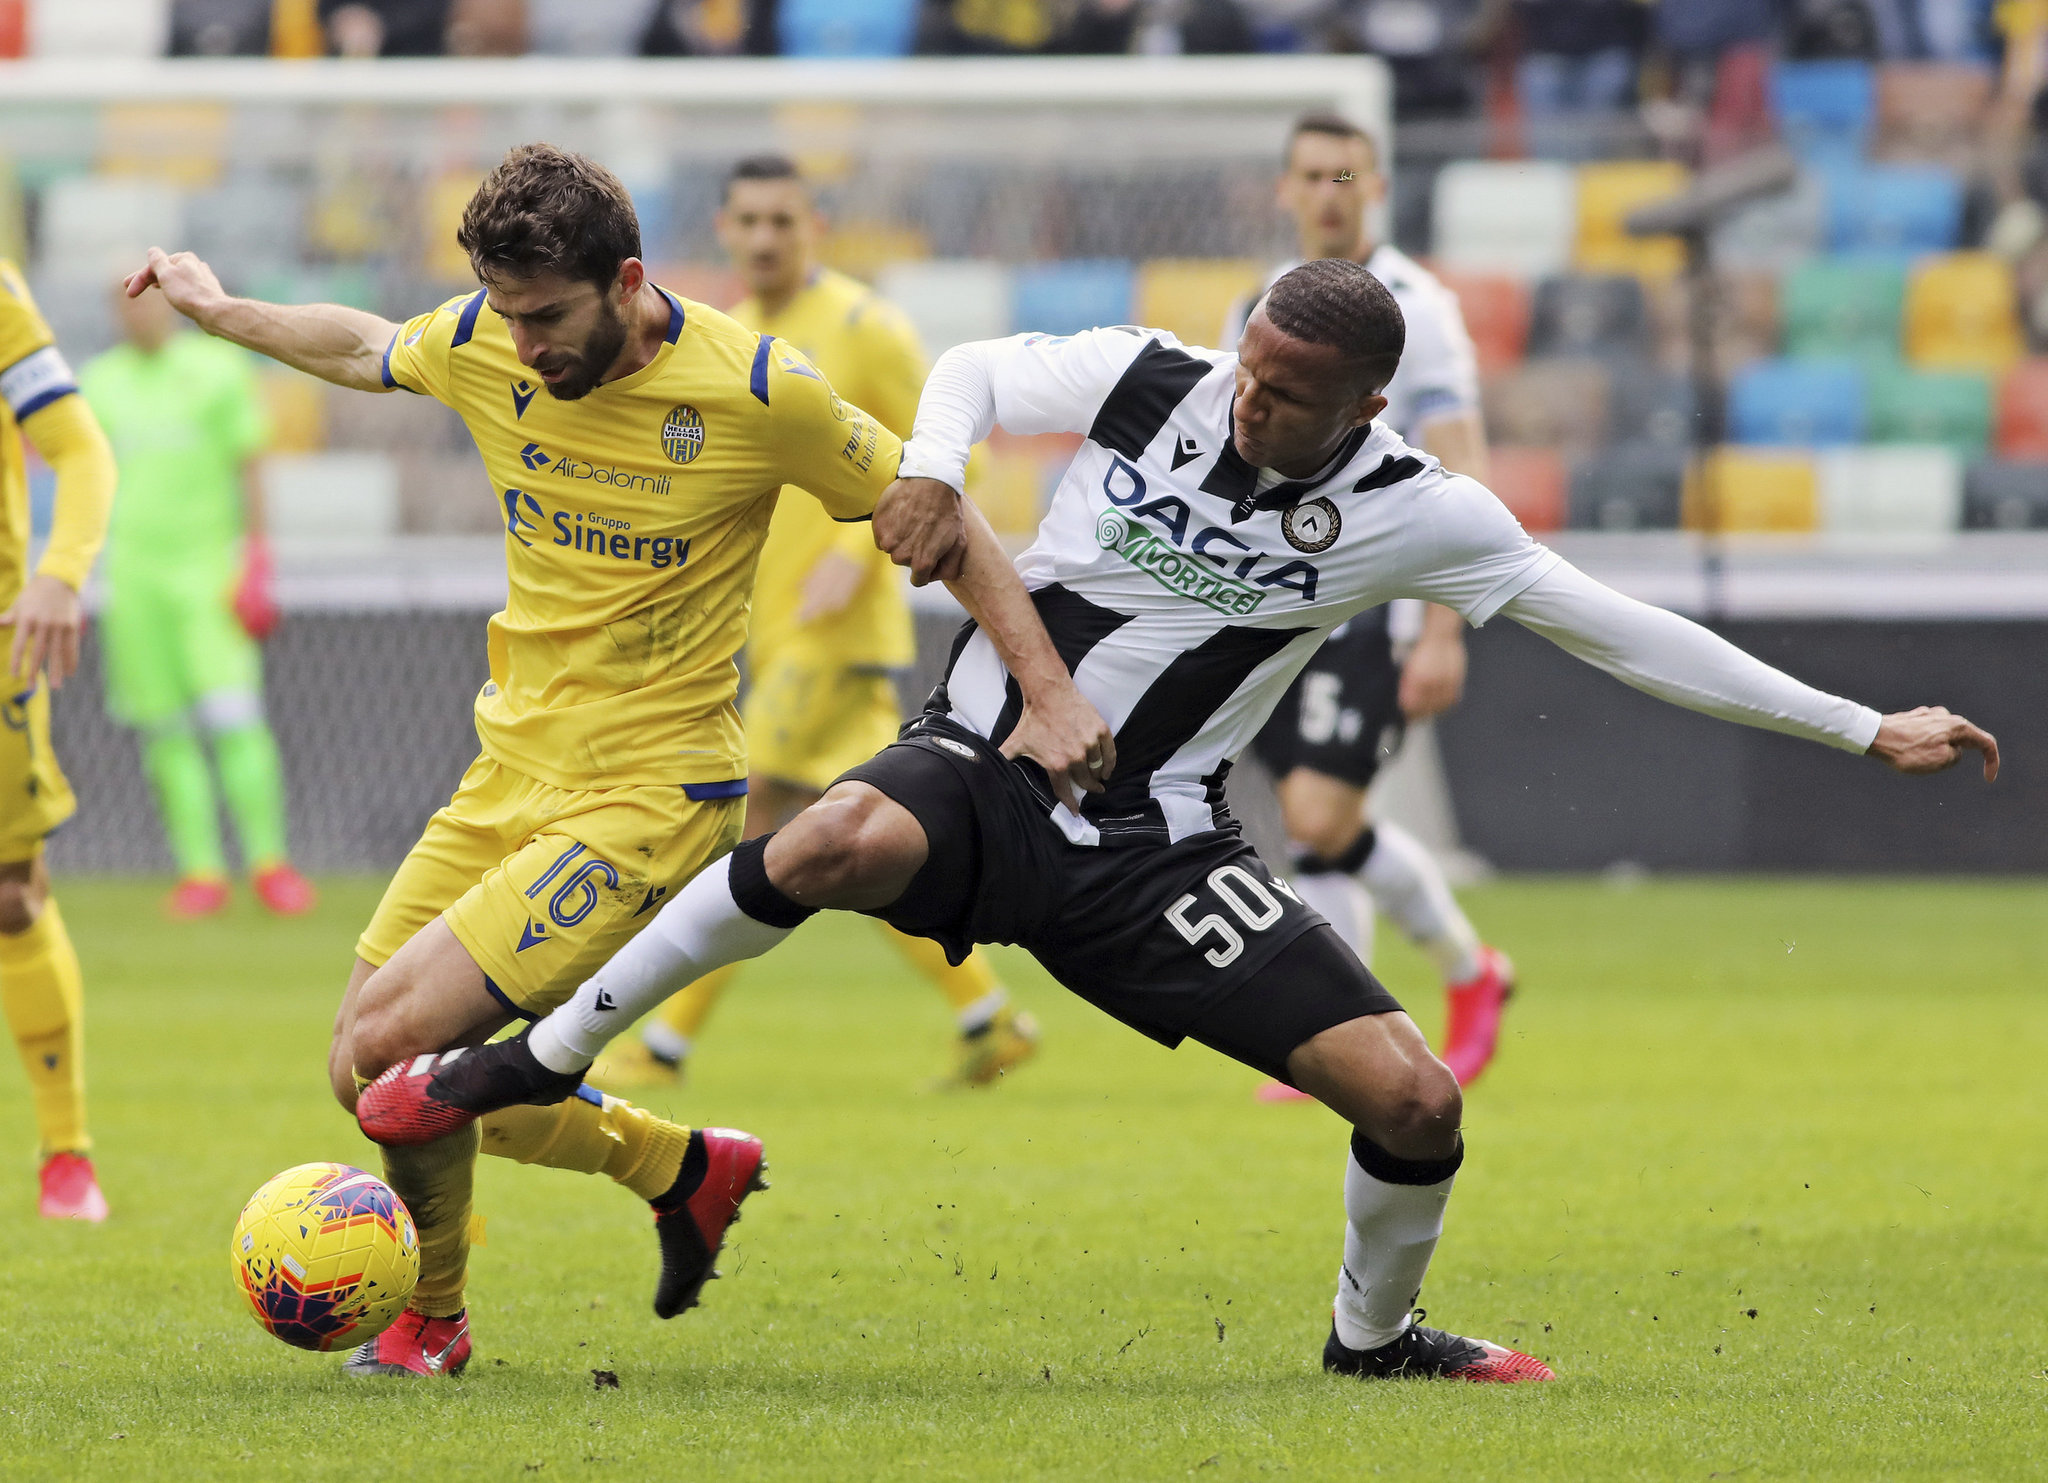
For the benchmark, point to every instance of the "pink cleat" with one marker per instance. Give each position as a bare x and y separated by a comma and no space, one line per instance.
284,891
1472,1025
70,1191
196,896
1280,1091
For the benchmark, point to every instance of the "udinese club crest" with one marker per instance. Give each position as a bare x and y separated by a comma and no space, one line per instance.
1312,526
682,433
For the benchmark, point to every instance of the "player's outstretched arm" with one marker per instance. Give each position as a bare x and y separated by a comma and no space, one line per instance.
1676,660
331,341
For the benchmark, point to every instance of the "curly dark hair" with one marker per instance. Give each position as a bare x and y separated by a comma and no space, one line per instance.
546,210
1333,301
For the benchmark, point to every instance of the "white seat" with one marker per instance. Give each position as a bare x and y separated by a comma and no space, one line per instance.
1501,217
1776,234
100,28
1896,489
327,500
90,220
950,300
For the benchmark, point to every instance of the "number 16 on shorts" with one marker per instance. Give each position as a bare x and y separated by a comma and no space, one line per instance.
1248,905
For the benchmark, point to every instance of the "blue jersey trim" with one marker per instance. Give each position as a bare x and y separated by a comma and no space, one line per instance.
36,404
759,382
391,381
590,1094
499,994
675,317
466,326
712,792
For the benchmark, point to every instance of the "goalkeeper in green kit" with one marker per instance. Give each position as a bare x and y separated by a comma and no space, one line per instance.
189,597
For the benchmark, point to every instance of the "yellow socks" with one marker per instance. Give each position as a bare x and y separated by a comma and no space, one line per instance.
601,1136
44,996
971,988
437,1181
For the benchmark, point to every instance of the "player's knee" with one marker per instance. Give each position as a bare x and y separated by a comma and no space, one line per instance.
381,1035
341,1072
21,903
1430,1106
850,851
1324,830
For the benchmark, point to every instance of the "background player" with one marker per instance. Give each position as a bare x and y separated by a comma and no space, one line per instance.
1347,710
613,765
40,984
830,620
189,598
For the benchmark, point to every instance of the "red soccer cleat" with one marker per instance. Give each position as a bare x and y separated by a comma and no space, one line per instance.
415,1345
1419,1353
428,1097
692,1226
196,896
284,891
70,1190
1280,1091
1472,1024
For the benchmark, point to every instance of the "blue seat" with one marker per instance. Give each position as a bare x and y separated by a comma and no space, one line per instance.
1893,209
1802,402
1066,298
1825,110
846,28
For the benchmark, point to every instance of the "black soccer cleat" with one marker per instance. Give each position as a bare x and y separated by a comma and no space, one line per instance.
722,1167
429,1097
1431,1354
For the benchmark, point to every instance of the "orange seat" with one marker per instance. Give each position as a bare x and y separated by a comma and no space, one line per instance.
1931,110
1754,489
1496,309
2022,431
1532,483
1962,314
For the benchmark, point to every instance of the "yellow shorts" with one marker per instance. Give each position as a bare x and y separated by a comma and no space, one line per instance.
809,722
34,794
543,884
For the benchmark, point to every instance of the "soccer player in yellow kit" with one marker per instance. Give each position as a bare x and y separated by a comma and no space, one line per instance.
830,619
40,984
636,444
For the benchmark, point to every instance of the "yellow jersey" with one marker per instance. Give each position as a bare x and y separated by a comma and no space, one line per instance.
33,375
634,519
870,351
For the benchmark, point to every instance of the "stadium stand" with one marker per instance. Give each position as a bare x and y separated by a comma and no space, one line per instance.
1792,402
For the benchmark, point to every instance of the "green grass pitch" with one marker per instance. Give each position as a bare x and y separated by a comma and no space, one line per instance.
1761,1172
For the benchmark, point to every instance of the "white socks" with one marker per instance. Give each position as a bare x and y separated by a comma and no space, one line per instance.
1343,903
1391,1228
701,928
982,1012
1409,886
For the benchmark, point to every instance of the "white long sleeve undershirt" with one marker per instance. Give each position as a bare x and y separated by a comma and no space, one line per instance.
956,410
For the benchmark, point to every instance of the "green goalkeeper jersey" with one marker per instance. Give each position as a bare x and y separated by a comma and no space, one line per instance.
182,421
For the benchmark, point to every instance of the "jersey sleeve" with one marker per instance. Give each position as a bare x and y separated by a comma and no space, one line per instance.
833,450
33,371
417,357
1440,362
1469,553
892,364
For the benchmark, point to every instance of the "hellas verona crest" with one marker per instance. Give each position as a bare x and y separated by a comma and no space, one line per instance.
1312,526
682,433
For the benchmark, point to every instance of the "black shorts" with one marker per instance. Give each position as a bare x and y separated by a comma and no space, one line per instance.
1172,939
1342,715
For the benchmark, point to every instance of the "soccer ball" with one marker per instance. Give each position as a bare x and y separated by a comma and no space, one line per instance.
326,1255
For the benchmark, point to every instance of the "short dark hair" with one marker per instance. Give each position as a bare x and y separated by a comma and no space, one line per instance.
1333,301
1336,125
760,167
546,210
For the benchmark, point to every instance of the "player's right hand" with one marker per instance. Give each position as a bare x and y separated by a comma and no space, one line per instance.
1932,738
920,524
46,620
1067,737
184,278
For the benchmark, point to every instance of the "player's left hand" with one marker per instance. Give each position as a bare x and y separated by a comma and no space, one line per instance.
830,586
255,600
1932,738
1434,676
920,524
46,620
1067,737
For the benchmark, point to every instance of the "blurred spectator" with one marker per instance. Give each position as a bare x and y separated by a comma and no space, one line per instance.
486,28
386,28
710,28
1579,56
1098,27
1426,44
1722,49
220,28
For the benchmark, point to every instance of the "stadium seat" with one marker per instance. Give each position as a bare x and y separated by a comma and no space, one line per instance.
1066,298
1630,486
1847,308
1531,483
1961,313
1589,316
2023,411
1504,217
1607,193
1745,318
846,28
332,499
1651,406
1904,490
1496,308
2006,495
951,300
1797,402
1753,489
1952,408
185,143
1894,209
1193,296
1824,109
86,219
1553,403
1776,233
1931,110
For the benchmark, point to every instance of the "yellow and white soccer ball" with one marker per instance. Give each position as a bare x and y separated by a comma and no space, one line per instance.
326,1255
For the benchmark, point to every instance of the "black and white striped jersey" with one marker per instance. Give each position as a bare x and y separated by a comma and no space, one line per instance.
1182,586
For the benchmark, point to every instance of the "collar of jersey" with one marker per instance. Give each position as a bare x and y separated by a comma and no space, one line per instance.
1237,481
669,338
